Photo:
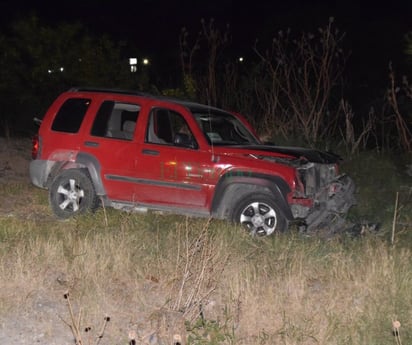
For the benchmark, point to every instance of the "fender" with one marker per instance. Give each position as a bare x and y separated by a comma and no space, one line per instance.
274,184
83,161
93,167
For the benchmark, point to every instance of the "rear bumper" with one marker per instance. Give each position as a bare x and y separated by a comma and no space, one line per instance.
39,172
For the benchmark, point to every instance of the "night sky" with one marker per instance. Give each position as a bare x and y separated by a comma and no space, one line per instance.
375,30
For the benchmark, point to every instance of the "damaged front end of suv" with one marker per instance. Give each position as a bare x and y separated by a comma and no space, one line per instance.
323,196
331,196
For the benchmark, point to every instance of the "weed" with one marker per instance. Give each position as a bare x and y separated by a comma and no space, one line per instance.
209,332
396,325
75,325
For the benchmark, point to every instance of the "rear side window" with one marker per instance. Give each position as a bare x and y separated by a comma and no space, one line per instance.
116,120
70,116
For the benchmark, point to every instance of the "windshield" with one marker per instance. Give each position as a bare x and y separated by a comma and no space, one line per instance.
222,128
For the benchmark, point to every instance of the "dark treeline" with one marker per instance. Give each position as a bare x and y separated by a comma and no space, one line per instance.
294,88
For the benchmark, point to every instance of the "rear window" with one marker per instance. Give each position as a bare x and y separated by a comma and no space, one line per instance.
70,116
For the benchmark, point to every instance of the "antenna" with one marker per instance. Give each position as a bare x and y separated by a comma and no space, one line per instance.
210,124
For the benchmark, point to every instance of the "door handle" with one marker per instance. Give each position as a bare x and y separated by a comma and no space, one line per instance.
91,144
150,152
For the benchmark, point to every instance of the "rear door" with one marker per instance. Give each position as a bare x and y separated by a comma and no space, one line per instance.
111,143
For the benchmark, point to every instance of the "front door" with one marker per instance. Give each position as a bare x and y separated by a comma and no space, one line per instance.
171,166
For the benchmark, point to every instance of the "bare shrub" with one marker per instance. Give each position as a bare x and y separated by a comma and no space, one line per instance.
300,77
199,265
291,90
355,141
200,76
398,115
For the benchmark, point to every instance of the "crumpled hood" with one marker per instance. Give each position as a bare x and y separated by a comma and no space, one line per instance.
311,155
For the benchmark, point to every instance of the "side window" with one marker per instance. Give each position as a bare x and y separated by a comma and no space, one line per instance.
116,120
70,116
168,127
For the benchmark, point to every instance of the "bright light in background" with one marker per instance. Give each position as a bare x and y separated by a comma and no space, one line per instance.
241,59
50,71
133,64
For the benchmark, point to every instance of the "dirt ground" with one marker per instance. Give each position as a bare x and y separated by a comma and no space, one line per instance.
15,156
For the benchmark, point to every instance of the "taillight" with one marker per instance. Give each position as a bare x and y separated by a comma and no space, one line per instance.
35,146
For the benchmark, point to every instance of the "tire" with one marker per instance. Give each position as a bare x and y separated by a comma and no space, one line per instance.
72,193
259,215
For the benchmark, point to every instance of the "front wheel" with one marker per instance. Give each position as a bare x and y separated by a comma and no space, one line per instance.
259,215
71,193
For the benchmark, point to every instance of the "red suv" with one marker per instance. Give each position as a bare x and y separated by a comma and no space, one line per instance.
134,151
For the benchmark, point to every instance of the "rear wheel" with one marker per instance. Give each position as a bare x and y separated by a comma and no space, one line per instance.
71,193
259,215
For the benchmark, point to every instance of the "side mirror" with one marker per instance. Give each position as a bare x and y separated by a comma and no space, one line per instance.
37,121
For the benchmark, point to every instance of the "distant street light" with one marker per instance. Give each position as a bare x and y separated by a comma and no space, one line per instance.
50,71
145,61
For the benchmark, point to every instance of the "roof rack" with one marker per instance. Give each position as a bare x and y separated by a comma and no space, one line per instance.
108,90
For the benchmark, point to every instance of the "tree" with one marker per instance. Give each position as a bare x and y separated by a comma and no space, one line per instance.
38,62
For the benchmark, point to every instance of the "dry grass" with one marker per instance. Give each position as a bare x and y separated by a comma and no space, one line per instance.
138,268
164,277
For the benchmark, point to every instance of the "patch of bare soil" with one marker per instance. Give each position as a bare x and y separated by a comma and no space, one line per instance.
14,174
17,197
15,155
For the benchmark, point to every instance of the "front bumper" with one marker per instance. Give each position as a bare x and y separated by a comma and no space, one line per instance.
332,205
